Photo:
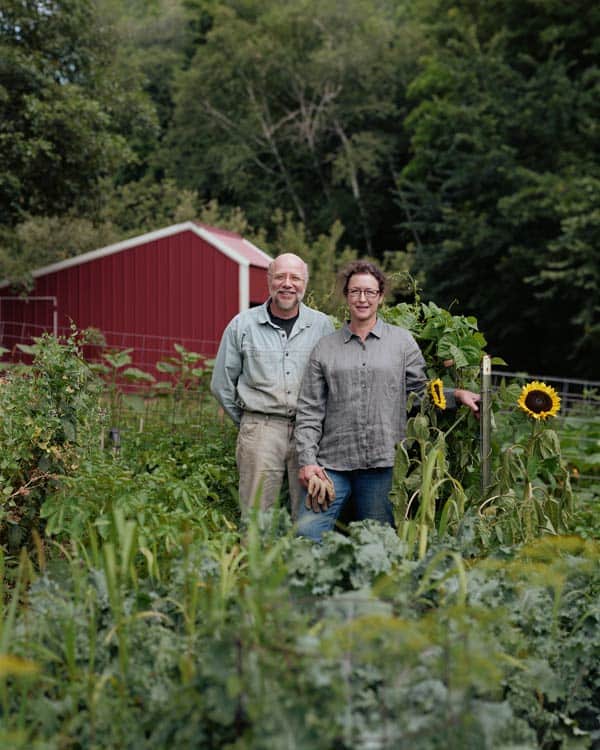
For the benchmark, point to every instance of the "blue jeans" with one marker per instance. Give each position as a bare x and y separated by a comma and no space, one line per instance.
370,489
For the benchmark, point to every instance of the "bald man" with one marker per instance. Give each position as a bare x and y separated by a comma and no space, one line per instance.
258,370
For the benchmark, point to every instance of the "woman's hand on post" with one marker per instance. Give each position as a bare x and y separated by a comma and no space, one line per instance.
468,398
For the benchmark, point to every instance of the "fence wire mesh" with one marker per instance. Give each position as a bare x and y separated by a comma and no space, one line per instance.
141,405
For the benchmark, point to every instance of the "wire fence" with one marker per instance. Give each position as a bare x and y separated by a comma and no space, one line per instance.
578,421
150,347
147,349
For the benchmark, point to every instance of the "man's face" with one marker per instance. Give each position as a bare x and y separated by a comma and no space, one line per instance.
287,284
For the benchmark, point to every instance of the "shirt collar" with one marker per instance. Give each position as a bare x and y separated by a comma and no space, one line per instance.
303,322
376,331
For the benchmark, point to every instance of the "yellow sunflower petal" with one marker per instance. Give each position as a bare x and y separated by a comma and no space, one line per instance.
436,389
538,400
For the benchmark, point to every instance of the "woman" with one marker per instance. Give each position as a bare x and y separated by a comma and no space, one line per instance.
352,405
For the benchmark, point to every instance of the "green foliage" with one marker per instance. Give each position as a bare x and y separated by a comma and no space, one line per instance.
38,241
187,370
51,421
437,484
176,485
452,345
294,106
369,648
436,468
148,204
65,117
531,490
566,275
501,192
580,443
458,139
148,617
425,494
151,618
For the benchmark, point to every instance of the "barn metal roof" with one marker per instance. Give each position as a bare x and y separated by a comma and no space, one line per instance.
253,254
231,244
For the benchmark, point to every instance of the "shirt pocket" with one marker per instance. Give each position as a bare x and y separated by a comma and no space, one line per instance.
262,367
343,383
392,386
386,380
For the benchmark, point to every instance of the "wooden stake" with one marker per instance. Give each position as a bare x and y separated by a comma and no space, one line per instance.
486,424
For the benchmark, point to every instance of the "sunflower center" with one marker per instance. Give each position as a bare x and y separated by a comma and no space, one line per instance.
538,402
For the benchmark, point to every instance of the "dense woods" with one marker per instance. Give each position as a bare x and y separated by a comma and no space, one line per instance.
455,139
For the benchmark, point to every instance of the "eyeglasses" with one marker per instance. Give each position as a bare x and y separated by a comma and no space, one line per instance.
369,293
294,278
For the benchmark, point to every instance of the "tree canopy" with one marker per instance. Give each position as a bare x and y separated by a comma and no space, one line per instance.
460,134
66,118
503,142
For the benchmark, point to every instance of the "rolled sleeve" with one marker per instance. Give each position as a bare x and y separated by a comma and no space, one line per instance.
416,379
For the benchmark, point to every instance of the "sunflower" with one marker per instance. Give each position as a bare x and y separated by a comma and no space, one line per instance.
436,389
539,400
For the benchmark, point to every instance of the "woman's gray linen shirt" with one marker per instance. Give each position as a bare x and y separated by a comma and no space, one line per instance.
352,404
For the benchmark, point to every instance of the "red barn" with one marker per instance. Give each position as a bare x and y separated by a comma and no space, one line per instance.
182,284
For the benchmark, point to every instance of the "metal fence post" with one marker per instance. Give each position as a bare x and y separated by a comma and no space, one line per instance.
485,424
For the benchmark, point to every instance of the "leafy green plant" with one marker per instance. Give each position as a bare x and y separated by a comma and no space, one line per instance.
452,345
164,491
425,494
261,639
114,368
189,373
51,420
437,478
436,472
531,490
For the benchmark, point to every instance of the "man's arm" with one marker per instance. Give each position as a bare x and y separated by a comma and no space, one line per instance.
226,371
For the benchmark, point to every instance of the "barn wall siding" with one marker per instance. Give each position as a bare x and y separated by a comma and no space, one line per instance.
259,290
176,289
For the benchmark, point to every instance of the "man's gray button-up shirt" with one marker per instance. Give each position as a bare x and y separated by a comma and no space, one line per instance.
258,368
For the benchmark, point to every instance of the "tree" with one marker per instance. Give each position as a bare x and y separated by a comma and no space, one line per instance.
504,110
68,111
296,105
565,280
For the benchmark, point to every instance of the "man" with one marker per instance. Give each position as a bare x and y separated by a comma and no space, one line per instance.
257,376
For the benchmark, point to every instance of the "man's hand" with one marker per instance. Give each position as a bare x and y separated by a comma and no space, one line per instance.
468,398
321,493
306,472
320,489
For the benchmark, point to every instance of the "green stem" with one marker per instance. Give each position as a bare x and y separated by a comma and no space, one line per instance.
457,422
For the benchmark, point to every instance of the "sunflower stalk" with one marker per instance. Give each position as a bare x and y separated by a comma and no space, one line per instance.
421,503
530,493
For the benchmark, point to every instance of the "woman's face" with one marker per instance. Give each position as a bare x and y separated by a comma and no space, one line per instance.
363,297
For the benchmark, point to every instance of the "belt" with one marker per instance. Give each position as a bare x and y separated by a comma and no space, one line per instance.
271,416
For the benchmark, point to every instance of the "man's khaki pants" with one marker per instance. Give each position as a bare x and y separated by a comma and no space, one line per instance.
265,450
